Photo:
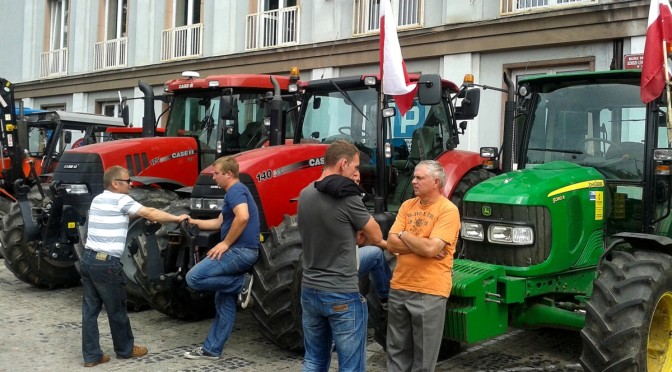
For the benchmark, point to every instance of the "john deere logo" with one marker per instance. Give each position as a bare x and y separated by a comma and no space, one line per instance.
486,210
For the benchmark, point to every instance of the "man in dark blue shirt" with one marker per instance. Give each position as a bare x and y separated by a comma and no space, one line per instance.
224,270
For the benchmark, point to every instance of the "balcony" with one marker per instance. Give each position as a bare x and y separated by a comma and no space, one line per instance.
509,7
54,63
272,29
182,42
367,15
110,54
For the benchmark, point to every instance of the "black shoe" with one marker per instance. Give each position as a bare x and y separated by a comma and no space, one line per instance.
245,296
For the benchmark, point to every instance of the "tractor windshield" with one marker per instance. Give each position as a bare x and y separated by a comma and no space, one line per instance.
197,114
595,125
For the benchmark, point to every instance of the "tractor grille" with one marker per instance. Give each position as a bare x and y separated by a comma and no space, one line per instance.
509,255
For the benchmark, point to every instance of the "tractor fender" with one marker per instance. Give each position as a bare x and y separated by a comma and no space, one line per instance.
641,241
456,164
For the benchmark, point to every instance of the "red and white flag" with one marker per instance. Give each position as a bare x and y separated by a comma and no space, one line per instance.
653,68
392,68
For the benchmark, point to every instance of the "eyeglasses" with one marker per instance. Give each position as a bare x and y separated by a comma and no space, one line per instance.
128,181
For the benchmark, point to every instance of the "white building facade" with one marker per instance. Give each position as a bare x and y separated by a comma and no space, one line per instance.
80,55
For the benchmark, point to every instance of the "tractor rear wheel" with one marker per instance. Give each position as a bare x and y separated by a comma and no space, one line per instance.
629,315
178,301
21,257
277,286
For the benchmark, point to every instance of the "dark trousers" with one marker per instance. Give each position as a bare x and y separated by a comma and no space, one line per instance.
103,283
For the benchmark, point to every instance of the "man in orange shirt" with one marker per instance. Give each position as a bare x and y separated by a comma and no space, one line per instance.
424,235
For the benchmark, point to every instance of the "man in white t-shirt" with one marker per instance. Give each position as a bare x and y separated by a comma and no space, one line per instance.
103,279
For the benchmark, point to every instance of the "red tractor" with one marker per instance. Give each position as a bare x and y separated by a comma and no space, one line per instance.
345,108
207,119
31,144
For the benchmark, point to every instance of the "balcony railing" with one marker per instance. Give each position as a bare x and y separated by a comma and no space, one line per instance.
54,63
110,54
273,28
518,6
182,42
367,15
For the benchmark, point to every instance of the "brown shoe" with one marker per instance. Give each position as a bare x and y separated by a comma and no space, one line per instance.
104,359
137,352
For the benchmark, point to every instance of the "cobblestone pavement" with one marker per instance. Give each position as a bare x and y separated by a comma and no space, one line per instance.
40,330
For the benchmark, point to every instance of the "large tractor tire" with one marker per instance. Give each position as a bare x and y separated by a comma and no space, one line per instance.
277,286
5,205
178,302
21,257
629,315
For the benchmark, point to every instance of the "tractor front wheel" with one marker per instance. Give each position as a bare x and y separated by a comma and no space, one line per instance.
277,286
629,315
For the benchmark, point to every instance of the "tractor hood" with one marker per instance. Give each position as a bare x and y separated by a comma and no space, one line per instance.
536,186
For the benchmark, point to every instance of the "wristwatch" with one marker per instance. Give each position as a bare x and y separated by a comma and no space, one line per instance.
399,235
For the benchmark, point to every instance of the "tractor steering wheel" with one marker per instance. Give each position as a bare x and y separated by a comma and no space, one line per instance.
597,139
347,131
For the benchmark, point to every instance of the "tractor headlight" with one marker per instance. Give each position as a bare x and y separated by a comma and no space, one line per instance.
206,204
472,231
75,188
515,235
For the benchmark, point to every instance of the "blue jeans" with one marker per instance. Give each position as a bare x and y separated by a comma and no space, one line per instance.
372,260
225,277
103,283
333,317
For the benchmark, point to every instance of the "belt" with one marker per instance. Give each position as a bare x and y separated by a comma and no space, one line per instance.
101,256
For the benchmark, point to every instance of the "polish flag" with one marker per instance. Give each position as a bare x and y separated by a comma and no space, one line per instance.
392,68
653,68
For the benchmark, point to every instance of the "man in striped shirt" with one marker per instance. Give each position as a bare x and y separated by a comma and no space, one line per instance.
101,270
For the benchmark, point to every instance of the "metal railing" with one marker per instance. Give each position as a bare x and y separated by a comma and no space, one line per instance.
54,63
110,54
518,6
273,28
366,14
182,42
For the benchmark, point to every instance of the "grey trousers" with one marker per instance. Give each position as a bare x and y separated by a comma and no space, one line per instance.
414,330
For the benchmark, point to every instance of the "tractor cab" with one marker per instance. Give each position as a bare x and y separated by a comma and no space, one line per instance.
226,120
390,144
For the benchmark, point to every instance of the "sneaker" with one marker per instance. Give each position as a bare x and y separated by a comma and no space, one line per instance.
199,353
137,352
104,359
245,295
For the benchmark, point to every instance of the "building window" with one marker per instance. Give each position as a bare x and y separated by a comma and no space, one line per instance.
517,6
54,62
367,15
185,38
112,52
276,24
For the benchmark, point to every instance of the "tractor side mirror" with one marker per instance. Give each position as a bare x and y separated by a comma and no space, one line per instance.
67,138
124,115
228,107
429,90
470,104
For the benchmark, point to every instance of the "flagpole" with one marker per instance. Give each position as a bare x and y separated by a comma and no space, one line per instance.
668,93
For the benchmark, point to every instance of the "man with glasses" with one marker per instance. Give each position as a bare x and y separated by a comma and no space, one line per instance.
103,279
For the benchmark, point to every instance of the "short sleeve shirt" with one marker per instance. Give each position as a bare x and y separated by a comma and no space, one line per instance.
238,194
108,222
416,273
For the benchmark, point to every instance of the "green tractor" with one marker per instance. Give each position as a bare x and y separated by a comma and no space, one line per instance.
579,236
